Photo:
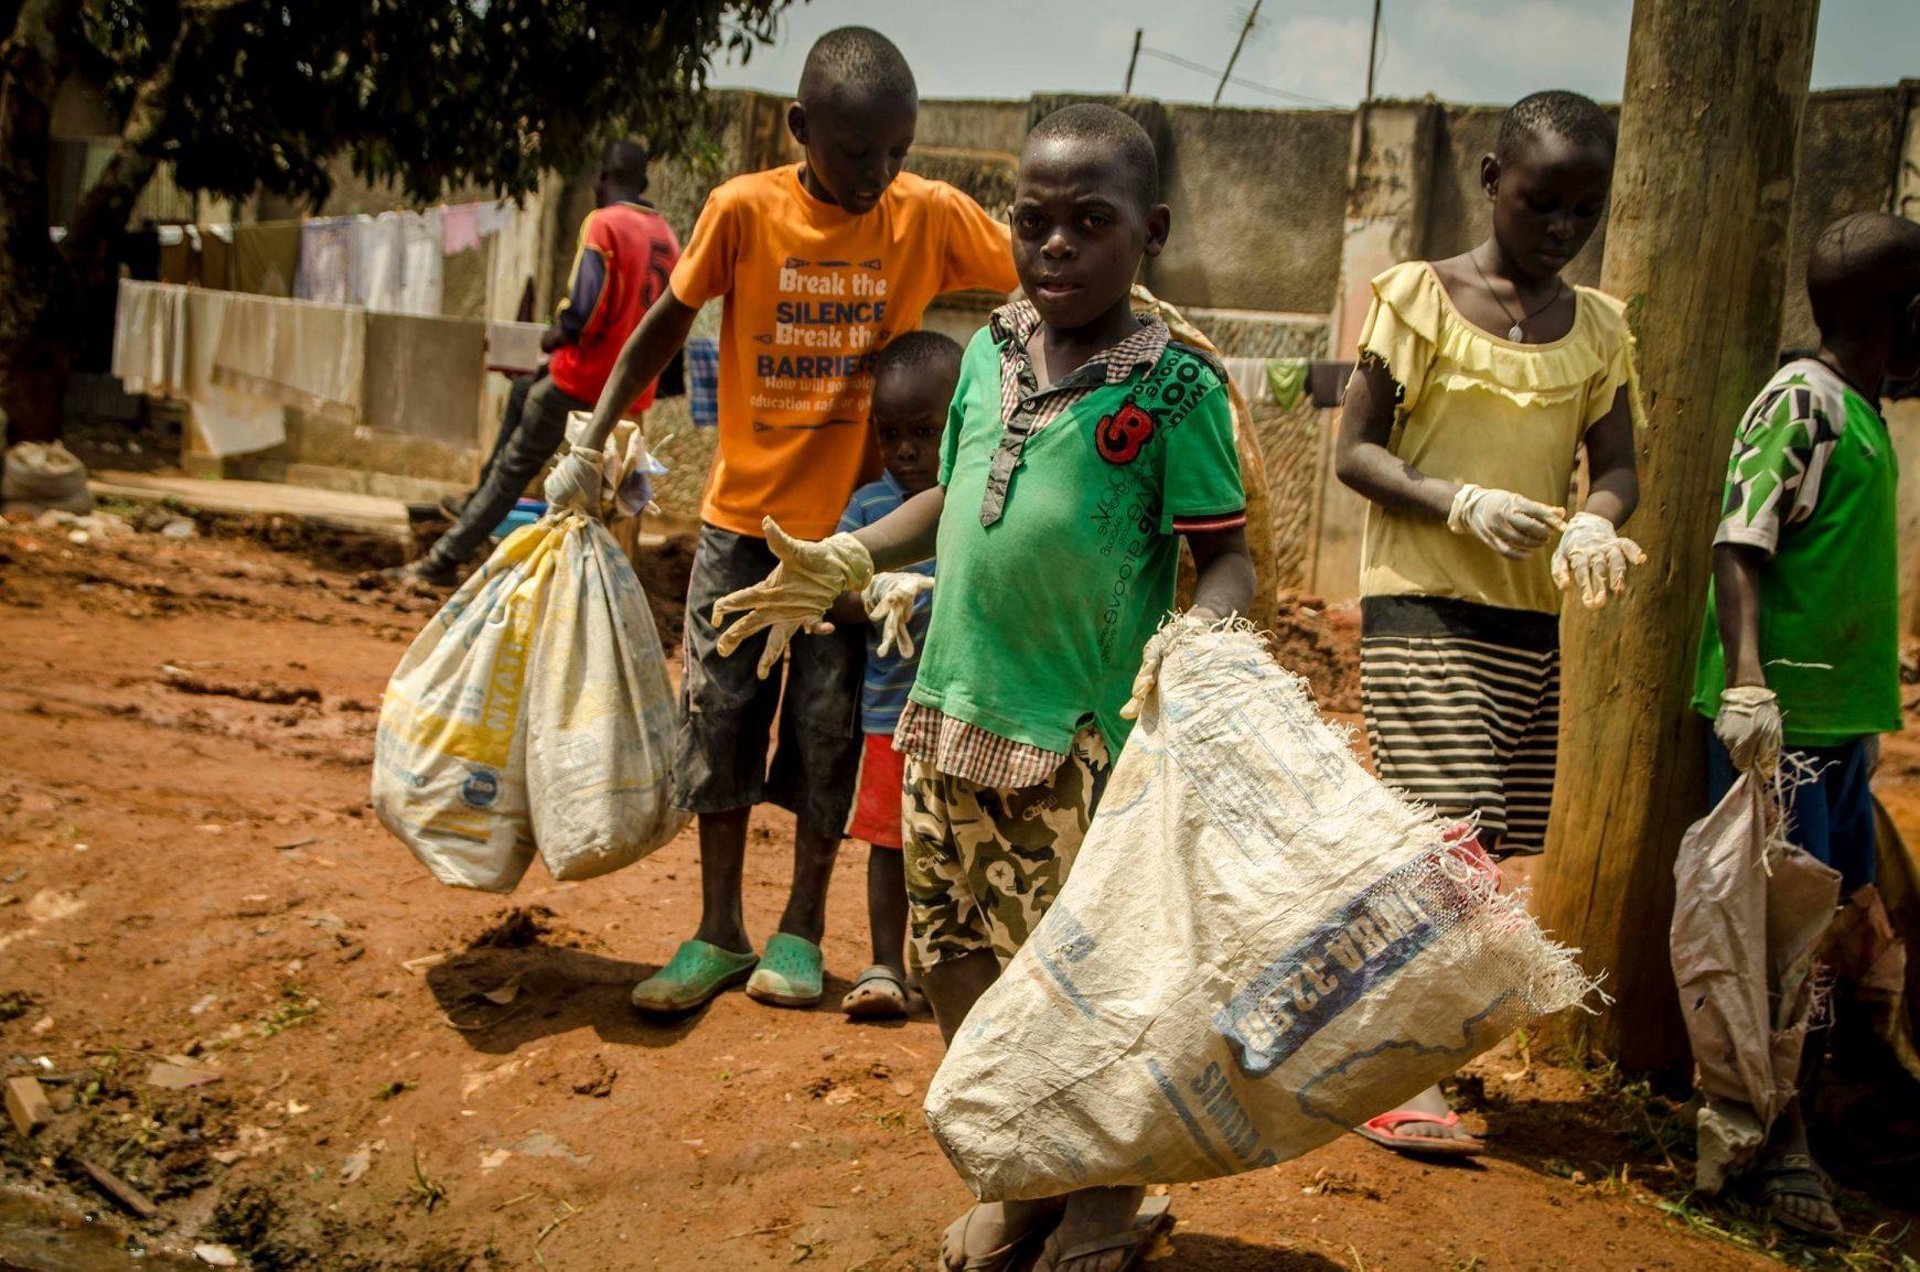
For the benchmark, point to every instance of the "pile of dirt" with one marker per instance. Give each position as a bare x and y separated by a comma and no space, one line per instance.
1323,644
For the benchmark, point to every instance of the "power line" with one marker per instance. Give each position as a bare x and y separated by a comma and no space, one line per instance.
1281,93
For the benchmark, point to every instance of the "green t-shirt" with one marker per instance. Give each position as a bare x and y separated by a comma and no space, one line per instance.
1811,483
1040,619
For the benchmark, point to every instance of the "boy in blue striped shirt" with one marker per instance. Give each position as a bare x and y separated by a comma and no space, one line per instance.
913,382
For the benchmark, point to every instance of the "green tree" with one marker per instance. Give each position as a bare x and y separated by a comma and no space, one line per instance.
247,95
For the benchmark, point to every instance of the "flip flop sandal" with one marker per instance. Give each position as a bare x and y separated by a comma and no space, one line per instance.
790,973
1017,1253
1153,1218
1797,1175
1381,1130
695,974
877,994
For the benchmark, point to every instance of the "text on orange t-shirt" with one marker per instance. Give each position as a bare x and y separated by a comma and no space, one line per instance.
811,292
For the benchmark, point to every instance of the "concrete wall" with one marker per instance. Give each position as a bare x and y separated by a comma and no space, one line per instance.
1256,197
1849,155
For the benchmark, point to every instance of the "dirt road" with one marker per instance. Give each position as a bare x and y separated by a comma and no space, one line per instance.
406,1076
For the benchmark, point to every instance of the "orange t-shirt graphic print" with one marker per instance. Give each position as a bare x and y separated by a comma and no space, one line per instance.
811,293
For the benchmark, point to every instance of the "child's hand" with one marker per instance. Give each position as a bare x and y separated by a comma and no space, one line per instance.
1594,554
1749,727
1155,653
1510,524
574,483
889,600
796,596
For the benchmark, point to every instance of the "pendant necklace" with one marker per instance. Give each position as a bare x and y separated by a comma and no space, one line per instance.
1517,332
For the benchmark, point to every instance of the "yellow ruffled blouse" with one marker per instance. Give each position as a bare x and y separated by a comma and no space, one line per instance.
1477,408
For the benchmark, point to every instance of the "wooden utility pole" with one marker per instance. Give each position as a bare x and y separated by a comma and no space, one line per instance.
1246,28
1697,247
1373,50
1133,61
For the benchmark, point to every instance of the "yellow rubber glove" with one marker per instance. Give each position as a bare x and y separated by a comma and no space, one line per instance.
1594,555
796,596
1510,524
889,600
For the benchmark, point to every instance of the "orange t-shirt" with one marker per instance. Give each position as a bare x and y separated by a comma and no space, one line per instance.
811,293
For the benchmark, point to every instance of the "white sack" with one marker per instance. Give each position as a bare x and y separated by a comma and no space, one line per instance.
1259,946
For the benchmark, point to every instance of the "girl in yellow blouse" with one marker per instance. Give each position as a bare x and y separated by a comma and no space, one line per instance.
1480,379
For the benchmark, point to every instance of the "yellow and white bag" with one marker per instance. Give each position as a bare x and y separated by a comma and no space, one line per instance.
533,710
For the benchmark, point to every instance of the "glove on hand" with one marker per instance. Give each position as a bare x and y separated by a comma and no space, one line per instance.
1749,727
889,599
1593,554
1510,524
1155,653
796,596
574,483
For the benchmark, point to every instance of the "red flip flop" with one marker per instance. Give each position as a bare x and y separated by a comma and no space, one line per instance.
1382,1130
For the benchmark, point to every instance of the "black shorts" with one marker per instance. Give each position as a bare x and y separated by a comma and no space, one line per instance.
728,715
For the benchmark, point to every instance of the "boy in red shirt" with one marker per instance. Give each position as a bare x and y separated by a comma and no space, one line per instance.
626,252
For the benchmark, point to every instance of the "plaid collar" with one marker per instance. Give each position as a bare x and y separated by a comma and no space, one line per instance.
1013,325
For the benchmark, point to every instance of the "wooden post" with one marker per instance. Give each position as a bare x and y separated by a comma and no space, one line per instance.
1697,247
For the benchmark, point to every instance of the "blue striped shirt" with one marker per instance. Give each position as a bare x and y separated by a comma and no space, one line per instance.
884,692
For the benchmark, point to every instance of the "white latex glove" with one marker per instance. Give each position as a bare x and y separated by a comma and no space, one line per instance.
1510,524
574,482
1594,555
1749,727
796,596
889,599
1153,655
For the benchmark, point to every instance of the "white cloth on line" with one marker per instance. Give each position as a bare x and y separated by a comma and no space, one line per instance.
297,353
150,345
229,421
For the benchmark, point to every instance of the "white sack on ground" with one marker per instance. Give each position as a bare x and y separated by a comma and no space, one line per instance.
1259,947
600,728
1751,912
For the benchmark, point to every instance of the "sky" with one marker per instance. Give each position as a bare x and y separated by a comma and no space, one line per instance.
1300,53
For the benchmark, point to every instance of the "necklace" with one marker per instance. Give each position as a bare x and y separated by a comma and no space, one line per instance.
1517,332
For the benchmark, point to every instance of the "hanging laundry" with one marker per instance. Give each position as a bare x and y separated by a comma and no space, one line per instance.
423,263
491,218
328,261
295,353
266,257
150,343
1286,381
703,381
460,228
225,420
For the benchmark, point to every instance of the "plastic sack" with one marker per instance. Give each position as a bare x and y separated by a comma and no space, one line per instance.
1752,911
533,709
1259,946
601,722
36,477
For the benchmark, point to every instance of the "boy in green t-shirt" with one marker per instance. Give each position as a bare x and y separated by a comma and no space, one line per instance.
1801,643
1081,447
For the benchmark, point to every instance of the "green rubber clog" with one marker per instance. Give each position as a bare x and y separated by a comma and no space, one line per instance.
789,974
696,973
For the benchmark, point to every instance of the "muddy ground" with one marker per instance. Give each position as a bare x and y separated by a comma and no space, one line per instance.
399,1075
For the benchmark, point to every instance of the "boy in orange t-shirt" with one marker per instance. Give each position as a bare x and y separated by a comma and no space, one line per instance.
819,264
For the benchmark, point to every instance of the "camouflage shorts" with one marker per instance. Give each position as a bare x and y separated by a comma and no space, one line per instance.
984,863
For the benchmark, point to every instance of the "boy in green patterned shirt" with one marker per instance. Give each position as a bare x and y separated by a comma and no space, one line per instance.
1082,447
1801,643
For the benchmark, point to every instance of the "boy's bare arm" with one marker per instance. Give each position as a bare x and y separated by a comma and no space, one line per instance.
1361,457
1736,591
1613,482
906,535
644,356
1225,568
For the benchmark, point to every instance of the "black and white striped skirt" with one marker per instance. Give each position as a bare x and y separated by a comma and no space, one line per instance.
1462,703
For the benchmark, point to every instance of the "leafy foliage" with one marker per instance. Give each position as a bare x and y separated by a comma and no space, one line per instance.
426,94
